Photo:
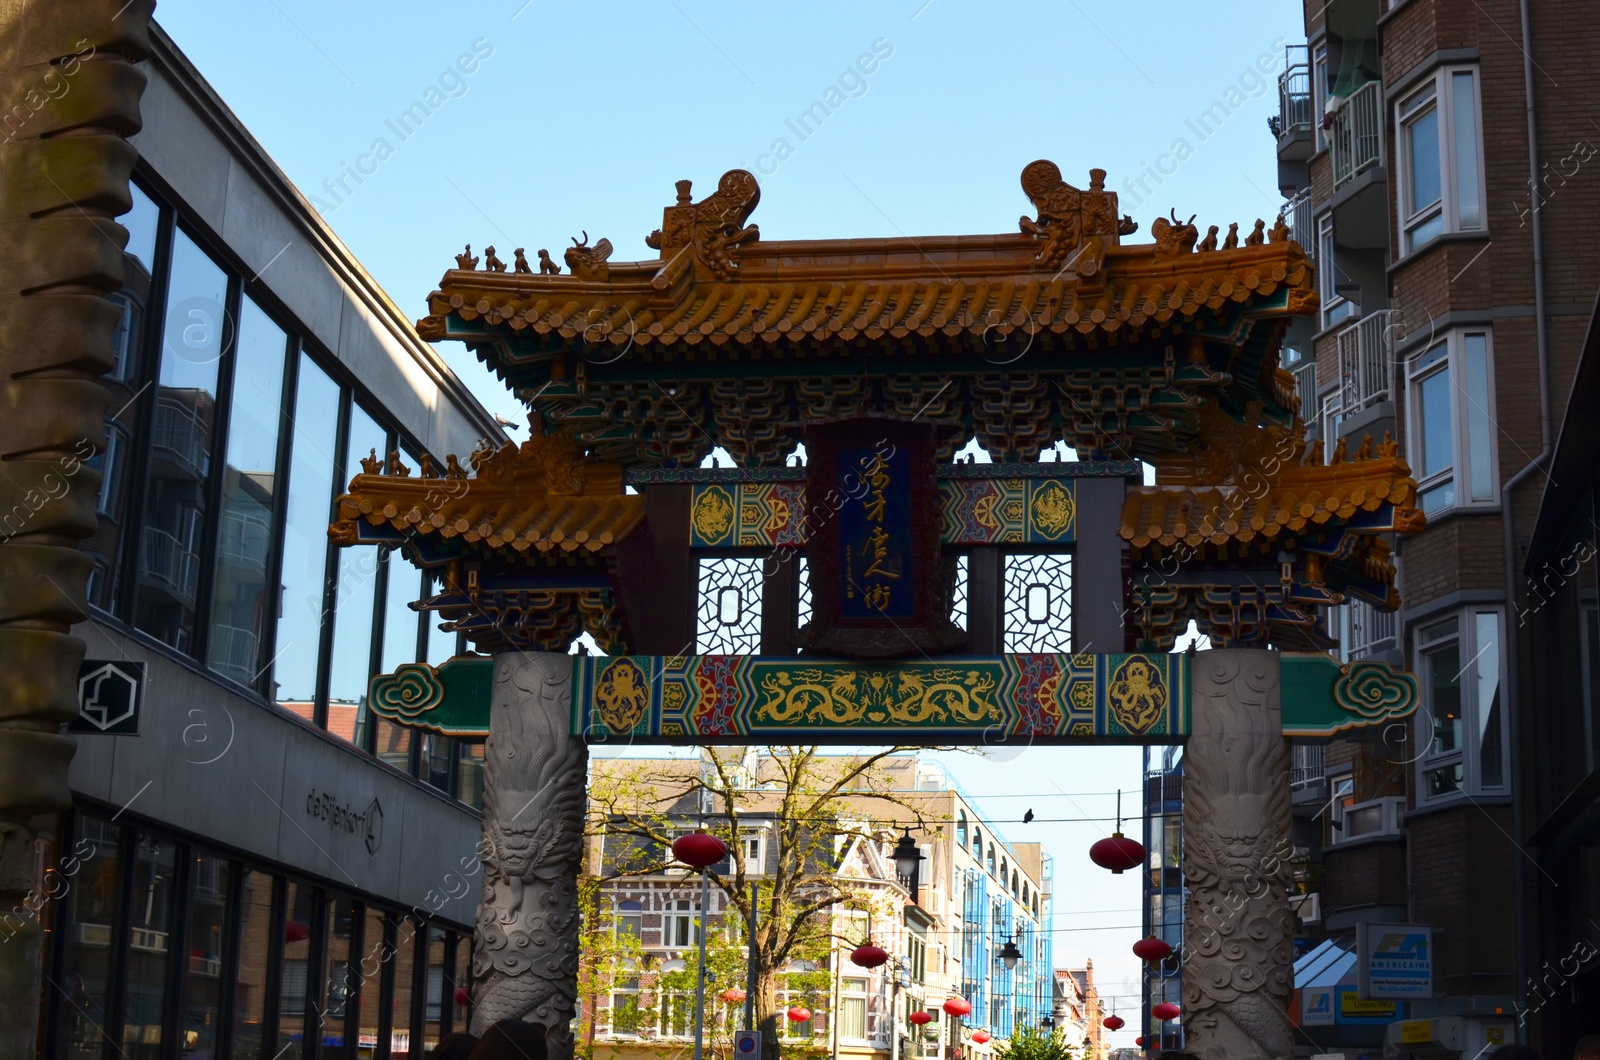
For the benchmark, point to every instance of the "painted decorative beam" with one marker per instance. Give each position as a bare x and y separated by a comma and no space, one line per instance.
984,700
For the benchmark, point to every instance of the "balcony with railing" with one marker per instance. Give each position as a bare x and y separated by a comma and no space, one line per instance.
1305,764
1302,228
1292,123
1366,363
1355,135
244,540
234,651
1305,388
180,432
169,563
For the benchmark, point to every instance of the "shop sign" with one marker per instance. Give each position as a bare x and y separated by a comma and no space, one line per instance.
1394,961
110,696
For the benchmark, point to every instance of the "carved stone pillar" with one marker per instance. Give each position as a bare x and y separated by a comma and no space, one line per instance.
525,965
1238,931
69,97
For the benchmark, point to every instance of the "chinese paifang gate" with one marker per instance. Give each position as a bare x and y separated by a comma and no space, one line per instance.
897,620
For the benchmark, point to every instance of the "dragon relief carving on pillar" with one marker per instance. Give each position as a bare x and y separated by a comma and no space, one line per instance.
1238,931
525,963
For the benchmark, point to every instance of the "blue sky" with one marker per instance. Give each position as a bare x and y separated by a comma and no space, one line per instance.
541,122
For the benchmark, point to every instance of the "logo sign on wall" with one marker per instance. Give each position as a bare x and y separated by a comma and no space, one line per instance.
1394,961
110,695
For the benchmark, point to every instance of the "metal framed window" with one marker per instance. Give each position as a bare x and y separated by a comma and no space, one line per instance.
728,618
1462,726
1438,130
1452,433
1335,306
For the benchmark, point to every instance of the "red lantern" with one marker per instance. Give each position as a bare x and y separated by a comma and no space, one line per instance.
980,1036
869,956
956,1005
462,997
699,849
799,1015
1114,1022
1118,853
1151,949
296,931
1139,1041
733,995
1165,1011
920,1017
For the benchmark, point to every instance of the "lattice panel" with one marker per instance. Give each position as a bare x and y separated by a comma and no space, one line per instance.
1038,603
803,595
958,594
729,610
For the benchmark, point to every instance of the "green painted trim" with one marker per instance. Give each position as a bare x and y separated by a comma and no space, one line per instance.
1321,697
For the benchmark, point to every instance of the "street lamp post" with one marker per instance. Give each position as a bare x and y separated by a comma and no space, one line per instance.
700,850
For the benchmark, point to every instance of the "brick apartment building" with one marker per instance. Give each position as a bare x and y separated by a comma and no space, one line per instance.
1438,156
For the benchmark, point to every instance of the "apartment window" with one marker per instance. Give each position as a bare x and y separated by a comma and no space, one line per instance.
977,842
1441,158
682,925
630,920
853,1009
961,827
753,840
916,955
1335,306
625,1007
1319,92
1464,732
677,1013
1452,422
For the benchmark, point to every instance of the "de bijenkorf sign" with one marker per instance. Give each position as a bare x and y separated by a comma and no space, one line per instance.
110,694
1394,961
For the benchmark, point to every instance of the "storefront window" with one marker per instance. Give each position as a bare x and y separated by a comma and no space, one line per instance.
305,539
240,601
376,956
469,773
435,1016
250,974
294,982
343,977
407,1010
210,887
89,921
153,908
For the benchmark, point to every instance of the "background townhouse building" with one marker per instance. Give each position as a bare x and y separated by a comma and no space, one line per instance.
253,865
975,892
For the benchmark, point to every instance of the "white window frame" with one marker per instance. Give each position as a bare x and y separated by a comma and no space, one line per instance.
1474,659
681,920
850,992
1465,409
1319,93
625,988
1335,306
1390,813
626,913
754,841
1435,92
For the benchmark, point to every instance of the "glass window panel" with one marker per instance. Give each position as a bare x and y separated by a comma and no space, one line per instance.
469,773
1422,161
1444,780
375,953
405,976
153,909
305,538
1480,431
1464,117
142,223
1444,697
210,887
458,982
436,752
1433,413
89,920
392,742
355,597
250,975
241,603
194,337
342,976
436,977
1486,705
294,983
